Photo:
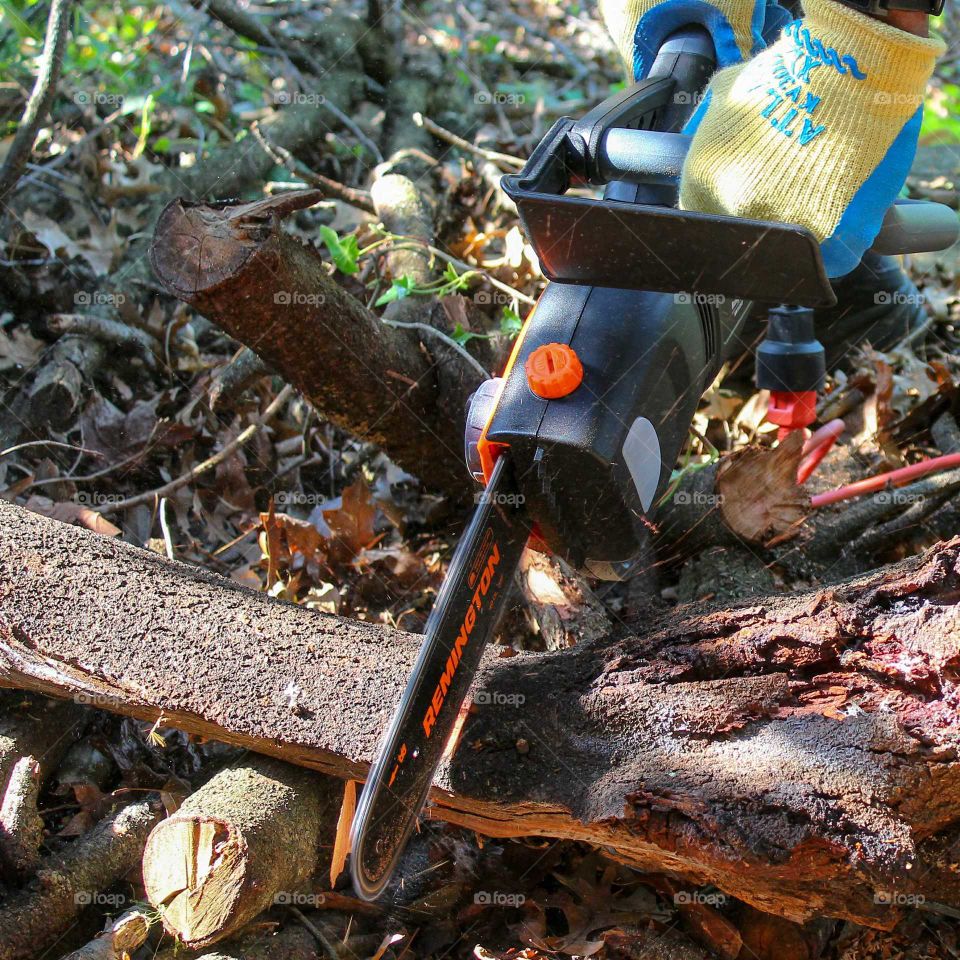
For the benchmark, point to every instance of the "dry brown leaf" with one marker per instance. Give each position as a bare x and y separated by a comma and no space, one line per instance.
352,523
19,348
72,513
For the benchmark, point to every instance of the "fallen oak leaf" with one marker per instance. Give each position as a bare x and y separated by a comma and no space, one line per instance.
353,522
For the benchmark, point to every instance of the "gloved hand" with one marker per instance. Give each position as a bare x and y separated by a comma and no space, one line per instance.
819,129
639,27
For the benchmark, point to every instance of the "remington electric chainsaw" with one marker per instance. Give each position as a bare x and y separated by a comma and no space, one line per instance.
577,439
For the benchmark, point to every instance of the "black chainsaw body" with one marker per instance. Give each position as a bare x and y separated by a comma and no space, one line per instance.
592,464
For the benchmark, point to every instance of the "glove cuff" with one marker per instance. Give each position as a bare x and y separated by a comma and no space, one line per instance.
891,60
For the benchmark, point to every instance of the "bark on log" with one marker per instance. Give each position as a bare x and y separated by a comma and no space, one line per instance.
271,292
246,839
800,752
37,915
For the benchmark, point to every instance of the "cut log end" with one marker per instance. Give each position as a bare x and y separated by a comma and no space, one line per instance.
198,871
245,840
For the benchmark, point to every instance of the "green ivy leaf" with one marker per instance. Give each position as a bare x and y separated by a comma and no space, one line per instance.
463,337
400,288
344,251
510,323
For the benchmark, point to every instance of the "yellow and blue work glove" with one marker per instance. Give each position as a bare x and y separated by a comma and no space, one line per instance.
818,129
639,27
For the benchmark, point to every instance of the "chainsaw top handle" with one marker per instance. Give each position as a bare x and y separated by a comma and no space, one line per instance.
633,138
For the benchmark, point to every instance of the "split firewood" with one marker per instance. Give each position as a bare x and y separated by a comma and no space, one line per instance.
247,839
66,883
798,752
292,943
21,827
121,938
236,266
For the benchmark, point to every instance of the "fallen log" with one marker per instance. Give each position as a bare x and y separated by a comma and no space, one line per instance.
799,752
238,268
245,840
66,883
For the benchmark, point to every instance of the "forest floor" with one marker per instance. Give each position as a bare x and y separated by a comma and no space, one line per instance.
125,411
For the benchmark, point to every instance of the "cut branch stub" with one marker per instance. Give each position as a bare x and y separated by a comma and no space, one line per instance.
274,294
243,841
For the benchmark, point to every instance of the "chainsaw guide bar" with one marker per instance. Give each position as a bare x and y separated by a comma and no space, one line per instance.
464,616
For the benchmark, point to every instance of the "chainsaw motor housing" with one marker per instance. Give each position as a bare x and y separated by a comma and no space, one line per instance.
592,464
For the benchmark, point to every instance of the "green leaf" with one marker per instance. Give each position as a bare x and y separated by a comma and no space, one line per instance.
344,251
510,323
13,19
488,43
400,288
463,337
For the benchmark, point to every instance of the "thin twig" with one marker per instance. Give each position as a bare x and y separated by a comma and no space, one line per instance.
440,335
317,933
165,528
462,265
251,28
44,89
441,133
280,155
243,437
50,443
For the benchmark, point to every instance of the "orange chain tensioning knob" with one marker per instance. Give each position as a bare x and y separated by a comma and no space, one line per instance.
554,370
